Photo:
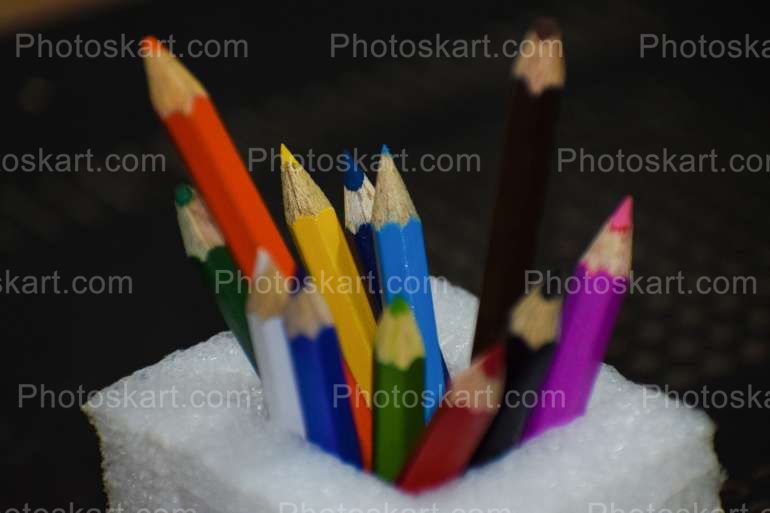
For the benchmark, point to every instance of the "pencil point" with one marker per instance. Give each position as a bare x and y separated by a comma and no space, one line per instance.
392,202
398,339
543,68
172,87
610,250
354,176
301,195
287,158
151,46
622,217
200,233
183,194
399,306
385,150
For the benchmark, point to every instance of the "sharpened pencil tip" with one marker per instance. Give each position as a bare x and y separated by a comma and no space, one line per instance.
354,175
151,46
622,217
385,150
301,195
610,250
543,68
399,306
287,158
183,194
392,203
172,87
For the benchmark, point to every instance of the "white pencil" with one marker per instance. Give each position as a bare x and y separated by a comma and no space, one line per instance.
267,301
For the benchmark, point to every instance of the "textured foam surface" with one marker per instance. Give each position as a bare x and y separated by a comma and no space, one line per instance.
190,433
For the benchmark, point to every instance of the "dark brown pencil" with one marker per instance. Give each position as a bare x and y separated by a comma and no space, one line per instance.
538,78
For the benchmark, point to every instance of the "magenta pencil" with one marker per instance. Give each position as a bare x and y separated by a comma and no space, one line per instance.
588,317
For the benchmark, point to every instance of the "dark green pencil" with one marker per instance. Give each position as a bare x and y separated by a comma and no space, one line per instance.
399,379
204,245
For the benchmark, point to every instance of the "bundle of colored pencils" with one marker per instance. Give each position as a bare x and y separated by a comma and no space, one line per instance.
353,325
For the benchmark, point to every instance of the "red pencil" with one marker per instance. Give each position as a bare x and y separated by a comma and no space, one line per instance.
459,424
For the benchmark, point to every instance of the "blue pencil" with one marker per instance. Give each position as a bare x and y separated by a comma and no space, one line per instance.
403,268
318,372
359,198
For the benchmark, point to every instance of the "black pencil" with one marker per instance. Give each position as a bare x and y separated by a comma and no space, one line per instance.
533,330
538,78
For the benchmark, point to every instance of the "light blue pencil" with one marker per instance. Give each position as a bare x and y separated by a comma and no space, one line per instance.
403,268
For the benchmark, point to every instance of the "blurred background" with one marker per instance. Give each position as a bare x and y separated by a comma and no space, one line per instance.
289,89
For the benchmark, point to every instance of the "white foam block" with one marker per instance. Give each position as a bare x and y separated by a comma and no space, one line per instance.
189,433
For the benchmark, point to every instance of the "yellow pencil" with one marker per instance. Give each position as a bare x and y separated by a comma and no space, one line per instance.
321,242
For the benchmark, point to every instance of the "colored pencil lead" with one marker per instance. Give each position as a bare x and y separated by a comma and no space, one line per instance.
354,176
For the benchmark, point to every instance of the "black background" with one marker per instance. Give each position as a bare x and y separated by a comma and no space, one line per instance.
290,90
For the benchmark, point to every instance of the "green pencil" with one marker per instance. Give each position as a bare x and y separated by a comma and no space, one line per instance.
204,245
399,379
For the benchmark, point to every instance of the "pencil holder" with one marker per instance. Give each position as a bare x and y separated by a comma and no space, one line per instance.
190,434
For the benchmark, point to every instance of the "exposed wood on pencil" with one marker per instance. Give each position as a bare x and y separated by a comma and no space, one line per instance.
172,87
393,204
543,68
301,196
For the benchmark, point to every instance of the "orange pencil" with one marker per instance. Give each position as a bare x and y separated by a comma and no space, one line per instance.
213,161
